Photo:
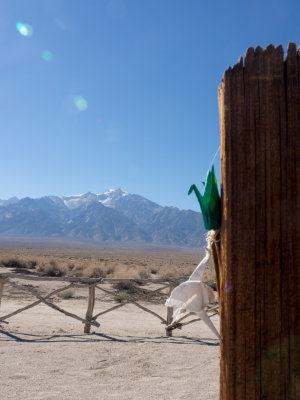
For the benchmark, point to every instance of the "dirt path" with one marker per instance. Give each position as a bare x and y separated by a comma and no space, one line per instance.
44,355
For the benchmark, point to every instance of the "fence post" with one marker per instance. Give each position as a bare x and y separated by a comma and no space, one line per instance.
2,281
169,332
90,309
259,104
169,320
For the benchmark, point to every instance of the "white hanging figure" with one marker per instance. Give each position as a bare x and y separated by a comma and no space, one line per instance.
193,295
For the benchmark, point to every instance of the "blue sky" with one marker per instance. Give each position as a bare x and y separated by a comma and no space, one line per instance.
148,71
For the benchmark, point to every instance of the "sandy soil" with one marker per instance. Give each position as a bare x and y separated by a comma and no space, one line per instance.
45,355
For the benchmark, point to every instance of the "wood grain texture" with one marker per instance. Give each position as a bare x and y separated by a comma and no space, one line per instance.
90,309
260,232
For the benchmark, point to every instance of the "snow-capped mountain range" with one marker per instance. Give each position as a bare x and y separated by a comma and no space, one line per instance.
113,216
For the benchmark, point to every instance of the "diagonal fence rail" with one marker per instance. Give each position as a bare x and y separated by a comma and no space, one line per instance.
113,291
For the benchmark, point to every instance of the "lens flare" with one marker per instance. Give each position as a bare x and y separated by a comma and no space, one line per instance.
47,55
24,29
228,287
80,103
99,120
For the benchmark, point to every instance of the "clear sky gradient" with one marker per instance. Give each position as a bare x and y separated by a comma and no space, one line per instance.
102,94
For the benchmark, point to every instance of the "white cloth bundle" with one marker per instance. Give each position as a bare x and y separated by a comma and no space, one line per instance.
189,296
193,295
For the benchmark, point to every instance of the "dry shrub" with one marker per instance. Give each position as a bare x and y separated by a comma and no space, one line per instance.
71,266
121,296
209,274
126,272
77,271
145,273
14,263
170,272
125,286
32,264
115,270
131,290
110,272
177,270
66,294
52,269
97,270
109,264
124,290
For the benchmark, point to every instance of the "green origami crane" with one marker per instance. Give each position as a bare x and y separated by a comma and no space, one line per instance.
210,201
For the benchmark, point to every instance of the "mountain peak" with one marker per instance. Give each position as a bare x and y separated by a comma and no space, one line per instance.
77,200
12,200
118,191
109,198
114,215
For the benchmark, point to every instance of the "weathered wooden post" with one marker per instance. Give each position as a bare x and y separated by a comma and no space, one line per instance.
90,309
169,313
2,281
169,320
259,104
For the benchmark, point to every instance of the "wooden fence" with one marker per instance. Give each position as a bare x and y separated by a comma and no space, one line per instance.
92,284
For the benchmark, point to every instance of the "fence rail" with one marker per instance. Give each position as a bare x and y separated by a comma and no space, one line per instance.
97,283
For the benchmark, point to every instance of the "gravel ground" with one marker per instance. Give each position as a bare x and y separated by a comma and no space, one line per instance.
45,355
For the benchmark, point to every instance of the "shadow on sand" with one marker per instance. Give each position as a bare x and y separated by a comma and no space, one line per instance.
14,336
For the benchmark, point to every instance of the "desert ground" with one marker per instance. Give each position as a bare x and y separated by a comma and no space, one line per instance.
45,354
